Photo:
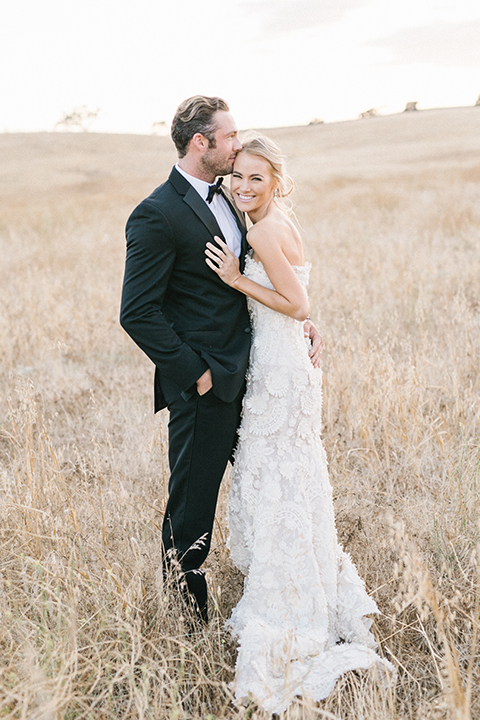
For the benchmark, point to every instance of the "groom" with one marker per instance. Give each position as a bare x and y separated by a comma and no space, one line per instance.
193,327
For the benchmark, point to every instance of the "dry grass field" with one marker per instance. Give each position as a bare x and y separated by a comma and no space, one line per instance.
390,213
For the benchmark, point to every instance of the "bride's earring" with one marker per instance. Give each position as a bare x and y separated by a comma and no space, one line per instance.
275,195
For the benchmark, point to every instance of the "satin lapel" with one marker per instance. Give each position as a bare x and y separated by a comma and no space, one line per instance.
240,218
244,249
193,200
200,208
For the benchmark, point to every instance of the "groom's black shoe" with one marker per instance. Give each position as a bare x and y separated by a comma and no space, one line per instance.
189,587
195,594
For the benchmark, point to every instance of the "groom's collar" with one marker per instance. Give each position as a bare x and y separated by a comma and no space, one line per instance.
181,184
201,186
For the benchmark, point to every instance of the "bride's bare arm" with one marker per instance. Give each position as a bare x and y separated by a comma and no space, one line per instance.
289,296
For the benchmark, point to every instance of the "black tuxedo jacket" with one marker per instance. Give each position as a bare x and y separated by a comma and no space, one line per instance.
174,307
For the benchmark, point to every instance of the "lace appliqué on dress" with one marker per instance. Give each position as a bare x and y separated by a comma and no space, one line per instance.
301,621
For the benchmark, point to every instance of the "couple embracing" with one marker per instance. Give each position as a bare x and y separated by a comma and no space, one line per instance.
223,315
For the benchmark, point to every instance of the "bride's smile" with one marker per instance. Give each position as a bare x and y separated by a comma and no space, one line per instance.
252,185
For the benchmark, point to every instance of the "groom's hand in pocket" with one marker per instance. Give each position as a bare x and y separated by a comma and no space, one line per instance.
204,382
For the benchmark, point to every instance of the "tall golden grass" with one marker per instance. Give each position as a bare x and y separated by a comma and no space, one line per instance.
390,211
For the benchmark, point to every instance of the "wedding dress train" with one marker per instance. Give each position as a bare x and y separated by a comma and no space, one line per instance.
301,621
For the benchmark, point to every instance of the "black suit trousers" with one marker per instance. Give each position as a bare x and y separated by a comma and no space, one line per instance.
202,435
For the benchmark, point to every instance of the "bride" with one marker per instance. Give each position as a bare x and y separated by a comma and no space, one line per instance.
301,621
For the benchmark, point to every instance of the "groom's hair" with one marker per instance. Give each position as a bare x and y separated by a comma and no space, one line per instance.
195,115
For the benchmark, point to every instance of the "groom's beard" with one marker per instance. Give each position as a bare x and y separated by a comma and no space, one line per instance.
215,164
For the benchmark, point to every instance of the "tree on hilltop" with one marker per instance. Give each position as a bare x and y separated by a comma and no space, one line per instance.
372,112
159,128
80,118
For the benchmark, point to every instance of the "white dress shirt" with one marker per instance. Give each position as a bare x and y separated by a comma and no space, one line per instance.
220,209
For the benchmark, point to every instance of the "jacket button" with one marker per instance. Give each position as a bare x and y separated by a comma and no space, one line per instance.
247,330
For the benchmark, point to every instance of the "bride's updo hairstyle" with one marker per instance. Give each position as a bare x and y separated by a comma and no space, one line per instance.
262,146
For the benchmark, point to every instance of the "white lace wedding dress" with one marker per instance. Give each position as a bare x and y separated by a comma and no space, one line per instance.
300,622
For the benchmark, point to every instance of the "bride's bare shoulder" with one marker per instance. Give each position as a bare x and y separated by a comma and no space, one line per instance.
275,235
274,227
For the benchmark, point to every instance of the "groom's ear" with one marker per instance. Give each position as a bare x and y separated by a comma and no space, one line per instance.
199,143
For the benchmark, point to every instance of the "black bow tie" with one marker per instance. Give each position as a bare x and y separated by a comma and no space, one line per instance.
212,189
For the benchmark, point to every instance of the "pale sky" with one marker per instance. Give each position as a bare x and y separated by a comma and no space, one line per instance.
276,62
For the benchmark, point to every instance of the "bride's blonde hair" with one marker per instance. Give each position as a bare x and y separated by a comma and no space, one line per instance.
260,145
